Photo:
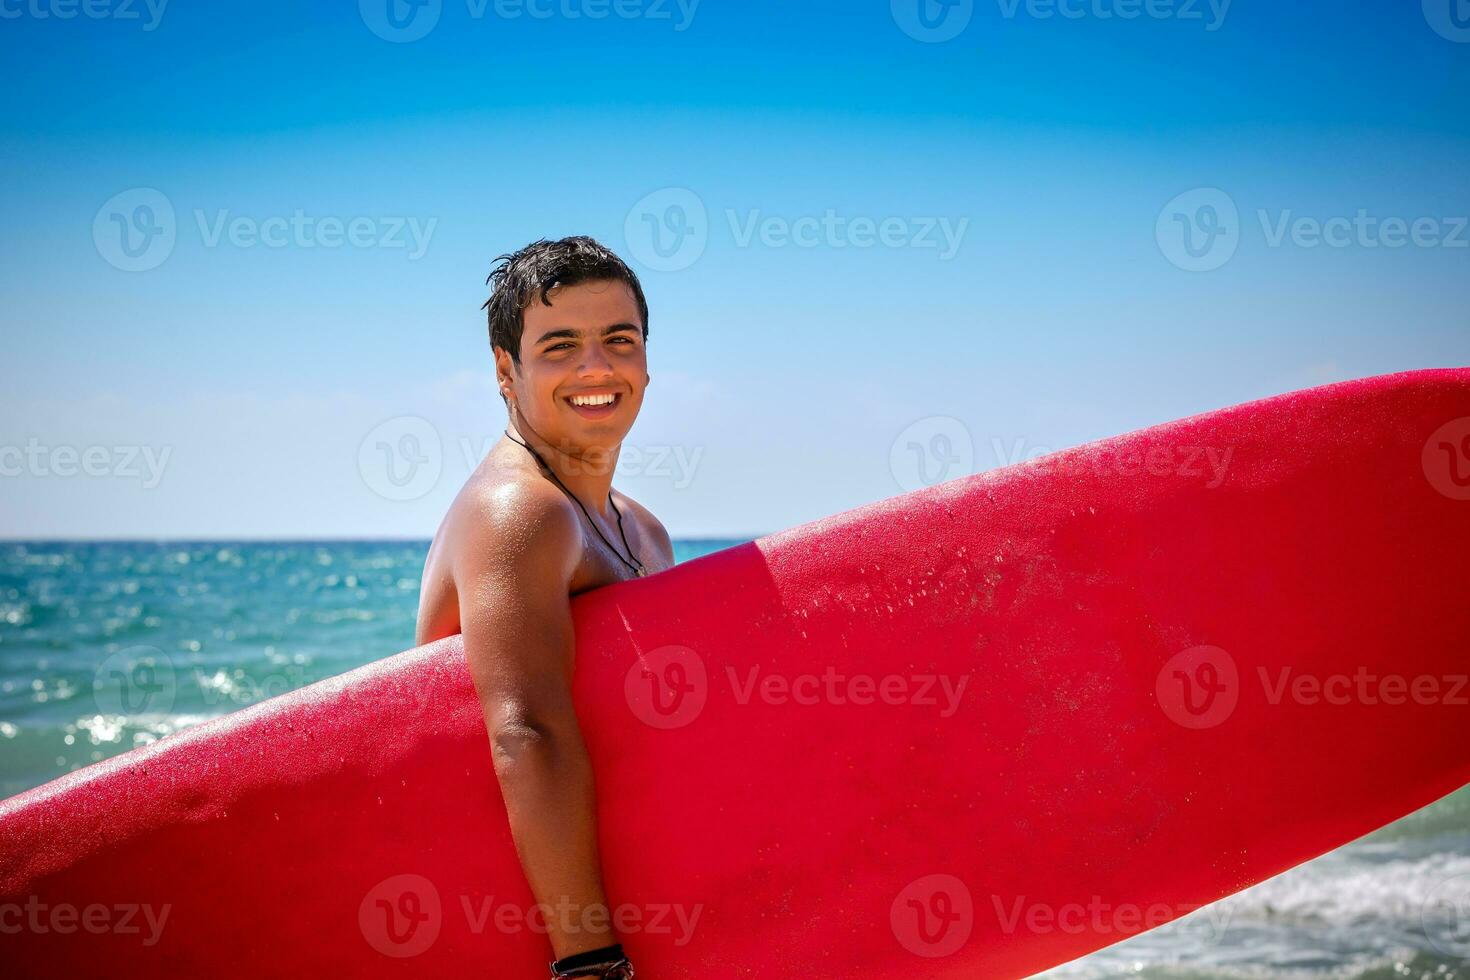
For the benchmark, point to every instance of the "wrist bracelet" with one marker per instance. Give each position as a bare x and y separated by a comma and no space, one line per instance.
607,963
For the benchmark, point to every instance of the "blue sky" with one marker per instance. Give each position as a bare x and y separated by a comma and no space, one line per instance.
887,237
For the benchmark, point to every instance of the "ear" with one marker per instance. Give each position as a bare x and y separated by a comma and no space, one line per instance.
504,371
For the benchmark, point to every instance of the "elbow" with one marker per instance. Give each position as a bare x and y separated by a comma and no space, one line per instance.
511,741
518,730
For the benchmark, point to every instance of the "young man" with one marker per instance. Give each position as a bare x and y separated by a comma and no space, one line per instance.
535,524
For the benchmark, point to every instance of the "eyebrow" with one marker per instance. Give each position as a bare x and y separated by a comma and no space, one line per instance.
573,334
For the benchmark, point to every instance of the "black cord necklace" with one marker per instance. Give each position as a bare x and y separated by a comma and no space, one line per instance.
637,569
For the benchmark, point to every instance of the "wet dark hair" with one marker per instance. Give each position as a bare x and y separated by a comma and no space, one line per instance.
527,275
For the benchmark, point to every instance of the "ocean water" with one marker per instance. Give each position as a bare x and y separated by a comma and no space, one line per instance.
203,628
107,646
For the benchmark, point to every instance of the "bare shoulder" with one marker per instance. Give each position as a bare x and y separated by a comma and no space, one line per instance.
516,523
504,540
653,528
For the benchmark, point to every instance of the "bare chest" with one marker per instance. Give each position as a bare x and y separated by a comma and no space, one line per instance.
606,561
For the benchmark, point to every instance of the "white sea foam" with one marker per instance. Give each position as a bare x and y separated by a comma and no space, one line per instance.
1341,888
1362,908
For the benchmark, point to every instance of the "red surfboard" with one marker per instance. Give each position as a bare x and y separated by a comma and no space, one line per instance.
972,731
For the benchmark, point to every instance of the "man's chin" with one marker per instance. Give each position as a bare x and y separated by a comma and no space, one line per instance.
589,439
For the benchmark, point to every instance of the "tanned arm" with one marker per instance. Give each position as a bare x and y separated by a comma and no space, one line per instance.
513,580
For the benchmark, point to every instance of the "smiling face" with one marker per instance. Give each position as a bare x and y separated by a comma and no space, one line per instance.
583,367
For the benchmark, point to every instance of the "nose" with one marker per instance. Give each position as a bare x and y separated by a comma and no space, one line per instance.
594,362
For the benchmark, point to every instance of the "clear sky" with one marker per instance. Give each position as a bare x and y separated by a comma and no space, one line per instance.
247,242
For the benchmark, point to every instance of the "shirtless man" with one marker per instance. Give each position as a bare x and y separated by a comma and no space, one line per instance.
536,523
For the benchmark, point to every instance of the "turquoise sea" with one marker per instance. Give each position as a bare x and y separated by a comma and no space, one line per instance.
232,623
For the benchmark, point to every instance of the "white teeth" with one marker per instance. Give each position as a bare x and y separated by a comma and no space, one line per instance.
590,401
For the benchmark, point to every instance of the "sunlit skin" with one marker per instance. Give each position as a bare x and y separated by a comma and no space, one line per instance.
512,551
588,341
